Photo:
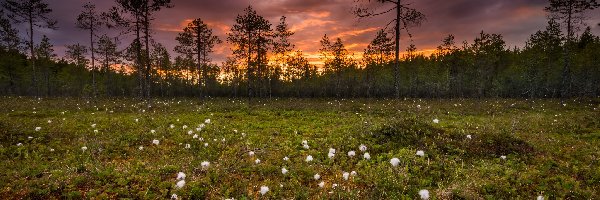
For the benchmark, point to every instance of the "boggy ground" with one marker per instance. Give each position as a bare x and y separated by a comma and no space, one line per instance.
479,149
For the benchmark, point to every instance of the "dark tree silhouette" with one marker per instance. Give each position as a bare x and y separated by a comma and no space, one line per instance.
91,21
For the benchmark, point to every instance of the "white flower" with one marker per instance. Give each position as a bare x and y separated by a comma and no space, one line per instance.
317,176
172,126
19,144
286,158
420,153
205,144
353,173
180,184
184,126
257,161
395,161
38,128
96,131
468,136
540,197
156,142
83,148
201,139
304,142
503,157
180,176
334,185
322,184
264,190
351,153
49,121
330,155
436,121
190,132
93,125
331,150
195,136
306,146
424,194
243,134
207,121
137,120
362,147
205,164
309,158
174,197
284,171
198,129
51,150
29,137
367,156
152,131
251,153
187,146
346,175
141,148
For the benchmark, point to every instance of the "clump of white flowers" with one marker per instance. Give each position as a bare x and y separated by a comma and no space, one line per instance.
322,184
503,157
187,146
205,164
395,162
346,175
309,158
152,131
286,158
317,176
331,153
180,184
367,156
84,148
362,147
207,121
251,153
351,153
174,197
155,142
469,137
305,144
284,171
264,190
436,121
38,128
180,176
171,126
540,197
420,153
424,194
257,161
141,148
93,125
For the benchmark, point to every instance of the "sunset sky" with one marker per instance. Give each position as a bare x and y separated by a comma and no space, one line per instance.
516,20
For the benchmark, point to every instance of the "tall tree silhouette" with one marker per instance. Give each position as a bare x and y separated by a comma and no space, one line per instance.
91,21
35,13
405,18
198,40
571,13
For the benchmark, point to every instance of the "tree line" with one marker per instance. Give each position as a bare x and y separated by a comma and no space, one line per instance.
555,62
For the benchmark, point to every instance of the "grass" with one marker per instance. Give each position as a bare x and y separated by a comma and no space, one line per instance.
551,149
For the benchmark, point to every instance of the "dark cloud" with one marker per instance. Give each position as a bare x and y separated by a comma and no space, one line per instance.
311,19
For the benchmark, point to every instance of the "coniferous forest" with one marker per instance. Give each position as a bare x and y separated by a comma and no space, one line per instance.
555,62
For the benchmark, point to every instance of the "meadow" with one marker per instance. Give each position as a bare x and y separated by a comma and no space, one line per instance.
69,148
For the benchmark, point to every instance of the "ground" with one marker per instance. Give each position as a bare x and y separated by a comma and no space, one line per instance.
478,149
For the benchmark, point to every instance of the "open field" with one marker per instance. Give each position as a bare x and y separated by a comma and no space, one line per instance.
105,149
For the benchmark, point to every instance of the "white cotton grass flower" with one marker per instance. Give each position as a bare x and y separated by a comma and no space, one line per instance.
201,139
304,142
190,132
309,158
172,126
322,184
362,147
38,128
152,131
424,194
49,121
19,144
367,156
469,137
155,142
93,125
184,126
251,153
317,176
205,144
180,176
346,175
137,120
141,148
420,153
205,164
195,136
540,197
174,197
264,190
286,158
51,150
180,184
187,146
351,153
96,131
331,153
395,162
503,157
84,148
207,121
436,121
257,161
284,171
306,146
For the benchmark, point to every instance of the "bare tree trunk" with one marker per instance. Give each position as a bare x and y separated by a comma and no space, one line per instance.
397,61
31,48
